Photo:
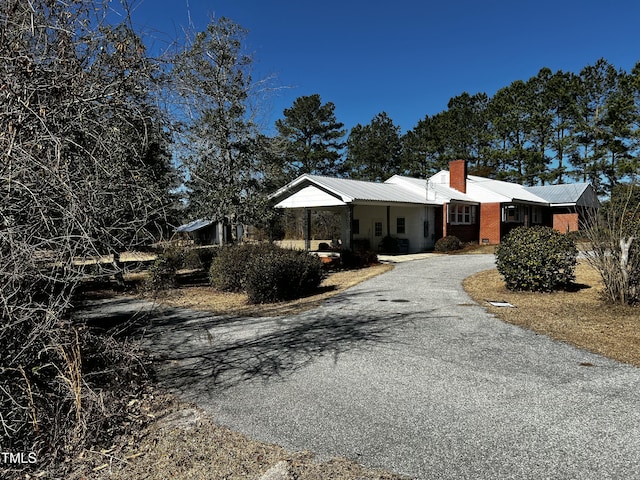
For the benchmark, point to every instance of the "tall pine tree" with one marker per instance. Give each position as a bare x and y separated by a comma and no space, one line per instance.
311,137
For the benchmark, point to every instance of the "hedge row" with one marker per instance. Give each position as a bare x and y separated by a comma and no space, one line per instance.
267,273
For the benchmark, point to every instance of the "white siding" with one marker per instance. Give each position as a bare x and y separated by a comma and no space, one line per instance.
369,215
310,197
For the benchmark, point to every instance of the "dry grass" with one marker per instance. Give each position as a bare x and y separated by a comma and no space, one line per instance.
236,304
578,317
183,442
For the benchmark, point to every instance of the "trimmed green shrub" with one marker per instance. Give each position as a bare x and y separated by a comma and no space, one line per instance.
536,259
229,268
282,275
192,259
361,244
449,243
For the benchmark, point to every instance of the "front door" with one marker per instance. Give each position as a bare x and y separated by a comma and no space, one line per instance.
376,233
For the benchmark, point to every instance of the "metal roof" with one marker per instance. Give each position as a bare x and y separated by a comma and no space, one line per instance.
193,226
317,189
566,194
348,190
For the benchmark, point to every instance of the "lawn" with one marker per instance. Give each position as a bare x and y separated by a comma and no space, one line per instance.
578,316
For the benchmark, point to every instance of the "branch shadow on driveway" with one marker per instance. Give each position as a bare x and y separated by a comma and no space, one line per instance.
197,352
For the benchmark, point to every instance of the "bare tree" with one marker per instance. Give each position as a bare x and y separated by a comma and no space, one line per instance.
84,173
224,153
614,236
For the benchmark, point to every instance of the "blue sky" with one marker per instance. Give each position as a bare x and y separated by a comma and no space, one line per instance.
407,57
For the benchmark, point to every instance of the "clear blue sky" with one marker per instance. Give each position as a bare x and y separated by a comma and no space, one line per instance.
407,57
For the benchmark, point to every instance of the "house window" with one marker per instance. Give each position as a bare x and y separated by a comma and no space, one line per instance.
513,214
355,226
460,214
378,229
536,215
400,225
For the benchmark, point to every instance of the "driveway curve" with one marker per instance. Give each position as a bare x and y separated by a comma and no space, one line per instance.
406,373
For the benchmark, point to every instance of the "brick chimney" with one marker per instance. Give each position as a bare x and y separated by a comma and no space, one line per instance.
458,175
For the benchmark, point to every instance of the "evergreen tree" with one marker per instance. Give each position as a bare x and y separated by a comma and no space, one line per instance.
559,97
374,150
311,137
596,86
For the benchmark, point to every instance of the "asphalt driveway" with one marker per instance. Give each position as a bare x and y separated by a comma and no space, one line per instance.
405,372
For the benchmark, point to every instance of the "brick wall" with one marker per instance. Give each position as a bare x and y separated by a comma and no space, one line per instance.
458,175
490,220
565,222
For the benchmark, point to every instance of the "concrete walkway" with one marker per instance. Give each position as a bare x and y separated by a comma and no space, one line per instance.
406,373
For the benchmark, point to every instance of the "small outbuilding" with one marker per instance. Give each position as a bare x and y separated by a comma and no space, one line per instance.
208,232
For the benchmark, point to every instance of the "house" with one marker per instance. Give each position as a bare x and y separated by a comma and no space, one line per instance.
420,211
208,232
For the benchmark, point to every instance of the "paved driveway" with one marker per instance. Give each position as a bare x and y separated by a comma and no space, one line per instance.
404,372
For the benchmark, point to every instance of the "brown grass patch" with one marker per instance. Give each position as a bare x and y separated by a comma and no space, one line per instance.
236,304
578,317
183,442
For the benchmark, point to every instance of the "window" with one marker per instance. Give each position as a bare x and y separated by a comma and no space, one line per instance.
460,214
536,215
400,225
378,229
513,214
355,226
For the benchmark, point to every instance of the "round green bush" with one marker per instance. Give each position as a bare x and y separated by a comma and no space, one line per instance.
228,271
449,243
282,275
536,259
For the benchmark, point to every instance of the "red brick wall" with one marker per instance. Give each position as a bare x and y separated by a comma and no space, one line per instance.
490,220
565,222
458,175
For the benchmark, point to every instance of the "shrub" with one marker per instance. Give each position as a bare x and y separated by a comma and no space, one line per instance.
536,259
228,270
389,244
449,243
357,259
162,274
282,275
361,244
200,258
614,237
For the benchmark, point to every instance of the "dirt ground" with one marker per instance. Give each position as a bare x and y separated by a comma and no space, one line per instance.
179,440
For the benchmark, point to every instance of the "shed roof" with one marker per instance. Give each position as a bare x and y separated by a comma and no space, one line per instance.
193,226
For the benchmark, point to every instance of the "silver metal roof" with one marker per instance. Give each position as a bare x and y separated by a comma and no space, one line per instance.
193,226
436,191
356,190
570,193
